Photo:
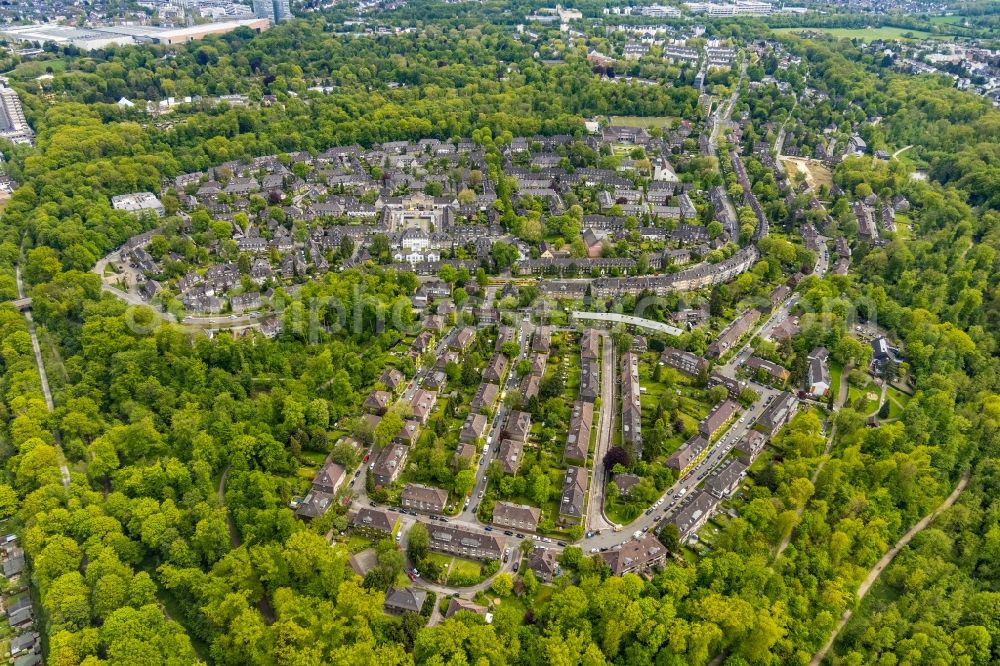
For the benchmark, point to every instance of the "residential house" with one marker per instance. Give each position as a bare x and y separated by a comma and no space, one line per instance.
435,380
464,542
504,335
732,333
315,504
631,405
399,600
718,417
686,362
726,478
457,604
544,563
495,369
578,437
517,426
392,379
473,429
389,463
510,455
529,387
541,341
22,618
13,562
329,477
573,502
590,380
693,514
818,372
687,453
464,455
516,516
26,642
408,433
779,412
421,344
589,348
750,445
422,404
636,556
776,372
424,498
376,523
626,482
539,360
462,338
377,402
485,397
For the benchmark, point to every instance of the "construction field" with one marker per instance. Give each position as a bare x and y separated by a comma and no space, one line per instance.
816,173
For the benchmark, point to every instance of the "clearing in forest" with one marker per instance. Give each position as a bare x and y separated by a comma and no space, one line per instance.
816,173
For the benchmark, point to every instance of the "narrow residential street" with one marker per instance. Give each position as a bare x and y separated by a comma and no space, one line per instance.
596,520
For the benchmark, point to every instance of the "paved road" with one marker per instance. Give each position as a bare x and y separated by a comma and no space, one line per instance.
723,112
44,378
885,560
492,445
902,150
779,142
596,520
407,521
655,515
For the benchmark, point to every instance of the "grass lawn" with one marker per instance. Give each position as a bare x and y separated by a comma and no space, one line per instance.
314,457
836,369
946,19
355,543
865,34
897,401
621,513
464,572
35,68
903,228
855,395
440,559
642,121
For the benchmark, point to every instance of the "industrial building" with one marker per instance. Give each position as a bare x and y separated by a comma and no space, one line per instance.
88,39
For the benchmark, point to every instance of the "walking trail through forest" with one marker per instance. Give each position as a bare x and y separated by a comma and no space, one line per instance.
880,566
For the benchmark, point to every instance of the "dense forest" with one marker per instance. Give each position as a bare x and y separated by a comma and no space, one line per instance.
174,542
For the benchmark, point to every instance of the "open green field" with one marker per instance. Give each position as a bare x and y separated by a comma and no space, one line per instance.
946,20
865,34
34,68
642,121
